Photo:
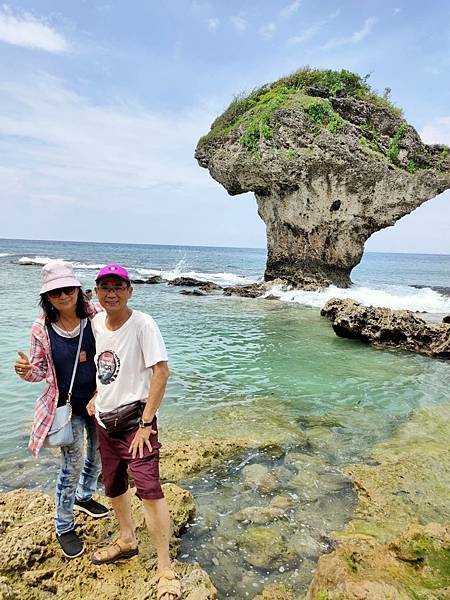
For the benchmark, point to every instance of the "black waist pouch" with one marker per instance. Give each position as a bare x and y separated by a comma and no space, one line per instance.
122,419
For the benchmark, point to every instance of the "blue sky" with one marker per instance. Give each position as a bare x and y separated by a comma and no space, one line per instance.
102,103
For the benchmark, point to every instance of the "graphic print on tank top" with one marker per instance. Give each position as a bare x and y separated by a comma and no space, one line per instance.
108,366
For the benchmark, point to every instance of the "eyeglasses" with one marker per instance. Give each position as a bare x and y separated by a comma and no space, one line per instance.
111,288
68,291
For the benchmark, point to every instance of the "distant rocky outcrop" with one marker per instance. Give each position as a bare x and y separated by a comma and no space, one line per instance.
400,329
330,163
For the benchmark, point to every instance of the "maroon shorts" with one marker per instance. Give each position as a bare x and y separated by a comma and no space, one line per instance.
116,459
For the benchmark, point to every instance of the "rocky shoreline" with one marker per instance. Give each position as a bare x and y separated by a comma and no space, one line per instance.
396,545
400,329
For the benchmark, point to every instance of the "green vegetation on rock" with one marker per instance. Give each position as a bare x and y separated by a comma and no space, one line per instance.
394,149
307,88
443,157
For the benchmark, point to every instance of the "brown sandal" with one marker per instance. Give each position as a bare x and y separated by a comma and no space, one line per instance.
118,550
168,583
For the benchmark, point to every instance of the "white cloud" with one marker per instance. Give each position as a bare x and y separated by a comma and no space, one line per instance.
305,36
213,24
358,36
396,11
59,145
437,131
267,31
27,31
290,9
239,22
310,32
355,37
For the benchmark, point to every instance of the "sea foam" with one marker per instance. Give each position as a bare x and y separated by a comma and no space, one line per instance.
388,296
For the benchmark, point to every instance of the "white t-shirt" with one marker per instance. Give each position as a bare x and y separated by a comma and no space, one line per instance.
124,359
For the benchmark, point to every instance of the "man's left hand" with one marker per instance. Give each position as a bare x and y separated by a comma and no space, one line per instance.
141,439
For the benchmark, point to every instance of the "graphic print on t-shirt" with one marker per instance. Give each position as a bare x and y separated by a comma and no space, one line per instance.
108,366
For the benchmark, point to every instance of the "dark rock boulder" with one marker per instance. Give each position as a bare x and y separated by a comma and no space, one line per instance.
400,329
186,281
150,280
253,290
330,163
192,293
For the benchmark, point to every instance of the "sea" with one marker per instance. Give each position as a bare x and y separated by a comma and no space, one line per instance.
267,369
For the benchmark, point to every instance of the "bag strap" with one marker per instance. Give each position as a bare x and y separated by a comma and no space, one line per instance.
75,366
74,372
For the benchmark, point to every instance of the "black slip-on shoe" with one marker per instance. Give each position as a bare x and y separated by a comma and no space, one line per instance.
91,508
71,544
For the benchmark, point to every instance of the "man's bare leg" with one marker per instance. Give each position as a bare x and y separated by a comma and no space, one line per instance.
122,510
158,524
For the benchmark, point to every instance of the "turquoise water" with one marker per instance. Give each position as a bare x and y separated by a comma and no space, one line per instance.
252,368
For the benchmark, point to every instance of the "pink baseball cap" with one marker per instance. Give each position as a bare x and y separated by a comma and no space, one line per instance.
58,274
113,270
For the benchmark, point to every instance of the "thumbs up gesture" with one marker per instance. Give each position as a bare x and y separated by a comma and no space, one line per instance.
23,365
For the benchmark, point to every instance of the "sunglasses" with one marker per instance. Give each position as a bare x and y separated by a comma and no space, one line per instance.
112,288
68,291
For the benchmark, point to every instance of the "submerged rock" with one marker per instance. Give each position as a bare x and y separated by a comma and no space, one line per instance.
276,591
401,329
330,163
259,477
33,567
265,548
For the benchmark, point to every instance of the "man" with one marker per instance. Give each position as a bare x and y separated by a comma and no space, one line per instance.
131,369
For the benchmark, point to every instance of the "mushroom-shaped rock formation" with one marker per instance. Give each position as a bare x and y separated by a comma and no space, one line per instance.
330,163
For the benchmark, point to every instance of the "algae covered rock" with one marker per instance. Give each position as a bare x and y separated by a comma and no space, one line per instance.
330,163
276,591
265,548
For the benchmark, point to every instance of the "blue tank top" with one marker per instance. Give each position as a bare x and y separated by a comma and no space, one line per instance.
64,351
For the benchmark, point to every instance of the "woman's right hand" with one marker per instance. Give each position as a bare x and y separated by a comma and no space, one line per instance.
23,365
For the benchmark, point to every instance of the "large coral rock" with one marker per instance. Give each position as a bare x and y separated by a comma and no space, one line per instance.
32,566
401,329
329,163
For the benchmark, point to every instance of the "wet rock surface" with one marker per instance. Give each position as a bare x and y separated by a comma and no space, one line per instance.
398,543
328,169
32,566
400,329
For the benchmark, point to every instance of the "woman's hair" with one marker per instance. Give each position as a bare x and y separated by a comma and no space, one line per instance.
51,313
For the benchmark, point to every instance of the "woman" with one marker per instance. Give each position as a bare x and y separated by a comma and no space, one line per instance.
54,343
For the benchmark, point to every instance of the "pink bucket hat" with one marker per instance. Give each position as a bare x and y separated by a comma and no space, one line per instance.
113,270
58,274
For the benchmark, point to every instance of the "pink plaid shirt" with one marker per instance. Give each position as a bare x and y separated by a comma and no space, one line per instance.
42,367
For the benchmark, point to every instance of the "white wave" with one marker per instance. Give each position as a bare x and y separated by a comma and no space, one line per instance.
389,296
37,260
93,267
3,254
219,278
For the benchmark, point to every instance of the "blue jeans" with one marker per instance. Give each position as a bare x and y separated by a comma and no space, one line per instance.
78,474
